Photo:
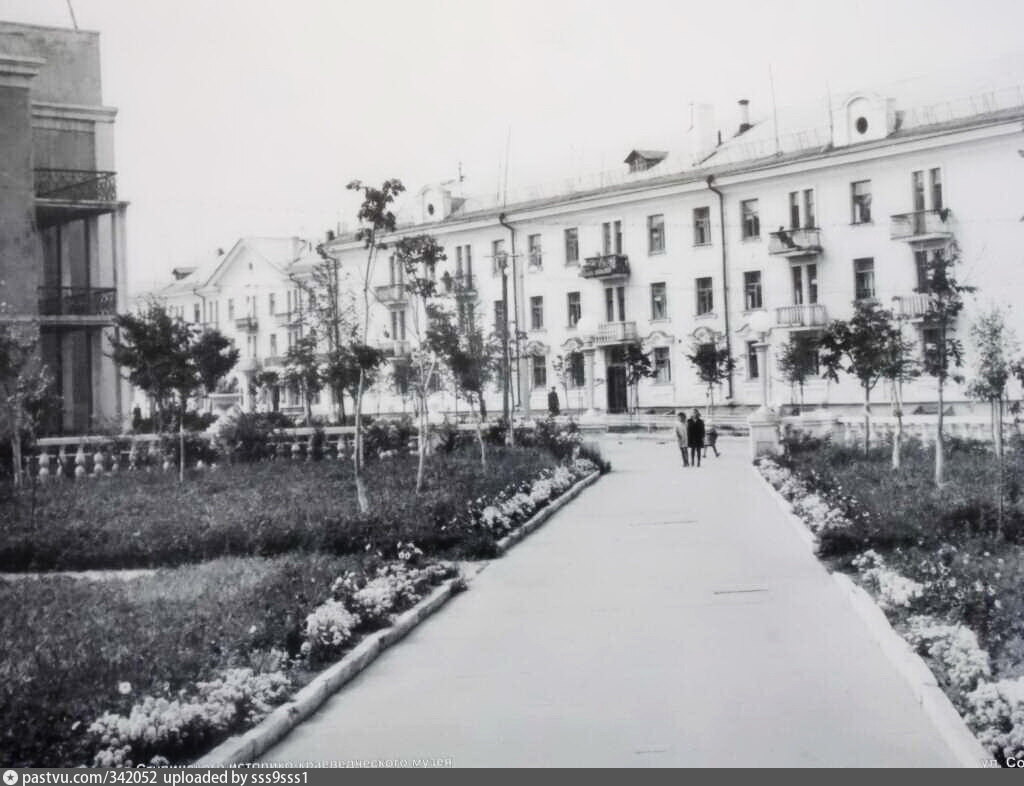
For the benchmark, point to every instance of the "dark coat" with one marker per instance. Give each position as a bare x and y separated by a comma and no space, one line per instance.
553,407
695,433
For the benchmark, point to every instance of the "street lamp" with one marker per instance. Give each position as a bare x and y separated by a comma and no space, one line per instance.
761,324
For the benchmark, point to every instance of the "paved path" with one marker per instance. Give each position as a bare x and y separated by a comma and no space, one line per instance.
667,617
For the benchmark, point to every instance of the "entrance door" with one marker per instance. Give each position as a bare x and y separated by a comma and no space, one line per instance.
617,401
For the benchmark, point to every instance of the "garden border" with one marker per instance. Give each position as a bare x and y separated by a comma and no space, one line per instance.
260,738
915,672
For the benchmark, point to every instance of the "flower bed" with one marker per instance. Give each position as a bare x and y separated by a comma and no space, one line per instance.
949,582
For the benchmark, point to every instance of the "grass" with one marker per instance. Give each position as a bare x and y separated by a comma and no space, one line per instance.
146,520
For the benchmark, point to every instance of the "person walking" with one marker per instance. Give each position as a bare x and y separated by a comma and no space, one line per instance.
681,438
695,437
711,441
553,408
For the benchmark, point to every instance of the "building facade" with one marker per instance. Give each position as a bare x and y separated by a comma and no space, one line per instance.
62,225
680,251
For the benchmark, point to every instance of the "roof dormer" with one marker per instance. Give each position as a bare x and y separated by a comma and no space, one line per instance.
863,117
642,160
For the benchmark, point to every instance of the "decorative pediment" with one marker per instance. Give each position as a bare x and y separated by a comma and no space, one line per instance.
704,335
534,348
572,345
658,338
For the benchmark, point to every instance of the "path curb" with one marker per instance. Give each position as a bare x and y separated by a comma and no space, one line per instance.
911,667
260,738
545,513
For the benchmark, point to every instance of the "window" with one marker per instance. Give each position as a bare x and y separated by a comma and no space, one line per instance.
752,369
463,267
656,234
931,341
536,257
497,256
615,296
537,313
540,371
752,290
935,176
574,309
271,306
499,317
273,344
231,308
860,193
702,226
572,246
659,301
810,219
805,284
662,365
864,278
577,375
398,325
749,219
195,313
250,346
396,272
611,237
801,209
794,209
705,296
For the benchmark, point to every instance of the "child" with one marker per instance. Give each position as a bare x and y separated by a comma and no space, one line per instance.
712,440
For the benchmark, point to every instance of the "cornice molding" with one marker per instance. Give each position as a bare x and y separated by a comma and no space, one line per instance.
44,110
16,71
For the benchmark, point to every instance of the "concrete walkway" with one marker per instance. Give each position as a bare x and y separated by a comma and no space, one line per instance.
667,617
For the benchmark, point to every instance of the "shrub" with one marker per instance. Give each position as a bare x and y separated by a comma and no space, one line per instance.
247,435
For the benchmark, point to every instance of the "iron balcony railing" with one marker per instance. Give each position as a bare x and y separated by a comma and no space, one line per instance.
794,242
616,333
391,293
805,315
605,266
920,225
249,324
77,301
911,306
464,284
76,185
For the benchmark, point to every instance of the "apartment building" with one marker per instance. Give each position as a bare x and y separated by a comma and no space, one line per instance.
62,225
683,248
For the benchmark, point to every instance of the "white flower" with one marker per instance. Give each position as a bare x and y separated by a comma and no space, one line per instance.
124,688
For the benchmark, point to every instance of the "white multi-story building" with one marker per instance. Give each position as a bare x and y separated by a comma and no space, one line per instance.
677,250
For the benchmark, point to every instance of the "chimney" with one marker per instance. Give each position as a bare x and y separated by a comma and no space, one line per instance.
744,116
702,136
330,235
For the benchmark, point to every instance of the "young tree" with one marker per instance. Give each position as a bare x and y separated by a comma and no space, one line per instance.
473,357
171,360
563,373
713,363
25,386
861,347
376,219
796,362
303,372
638,366
419,255
996,346
943,350
899,367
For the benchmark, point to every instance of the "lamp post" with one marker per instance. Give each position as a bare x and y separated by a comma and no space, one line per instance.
764,423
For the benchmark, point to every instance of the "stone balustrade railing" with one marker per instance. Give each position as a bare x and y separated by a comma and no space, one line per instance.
849,430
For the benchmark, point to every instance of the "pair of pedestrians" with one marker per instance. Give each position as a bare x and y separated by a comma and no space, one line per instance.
690,434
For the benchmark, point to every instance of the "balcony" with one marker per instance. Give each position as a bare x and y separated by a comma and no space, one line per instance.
911,306
464,285
248,364
286,318
77,301
805,315
247,324
795,242
391,294
921,226
605,266
396,348
609,333
275,361
64,195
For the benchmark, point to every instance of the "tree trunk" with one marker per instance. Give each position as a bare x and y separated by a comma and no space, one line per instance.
940,458
480,439
867,420
340,395
897,440
357,457
16,456
181,445
421,447
997,426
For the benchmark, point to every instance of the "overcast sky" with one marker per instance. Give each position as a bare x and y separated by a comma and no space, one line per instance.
247,117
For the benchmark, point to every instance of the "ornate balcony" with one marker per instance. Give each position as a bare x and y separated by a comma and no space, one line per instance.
609,333
921,226
77,301
911,306
76,185
464,285
248,324
391,294
605,266
795,242
805,315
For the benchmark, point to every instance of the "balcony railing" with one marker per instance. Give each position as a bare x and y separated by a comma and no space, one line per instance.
248,364
391,293
794,242
921,225
911,306
77,301
615,333
285,318
806,315
396,348
275,361
249,324
464,284
605,266
76,185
